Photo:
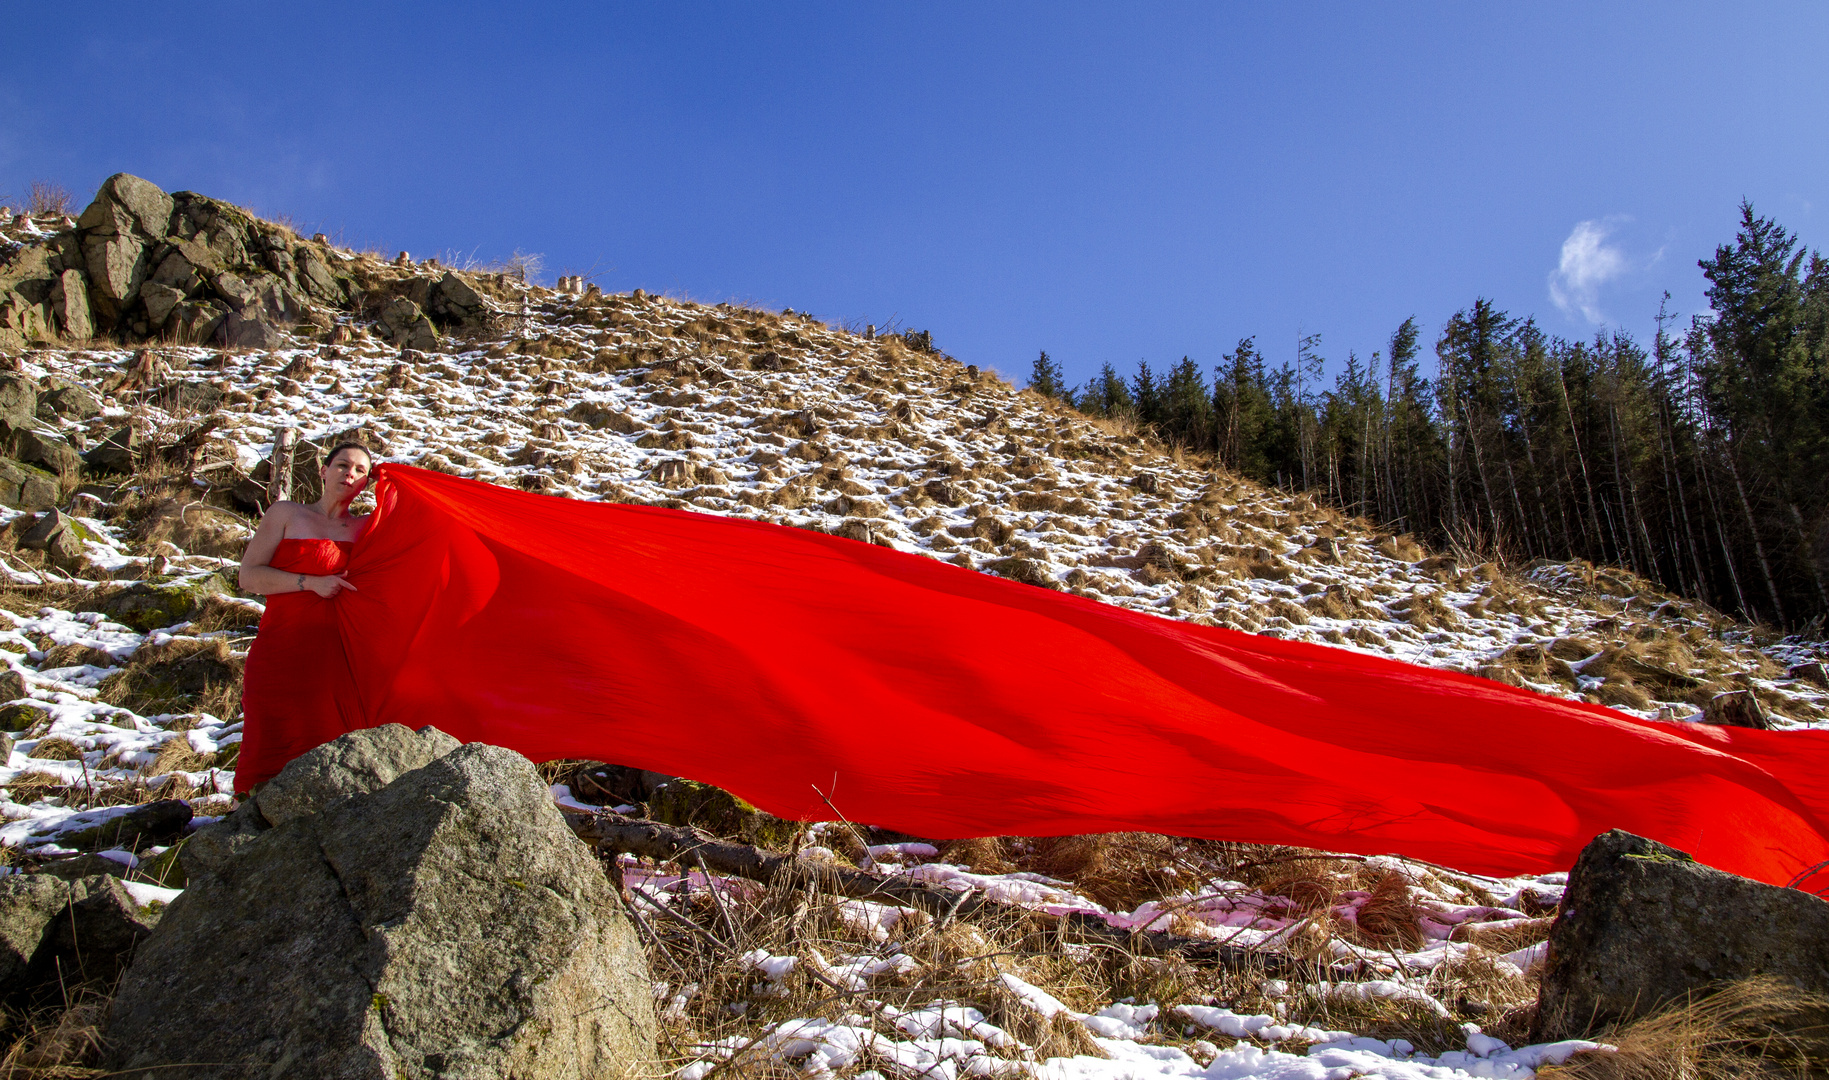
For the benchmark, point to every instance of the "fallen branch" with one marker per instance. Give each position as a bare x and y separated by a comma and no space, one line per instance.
693,847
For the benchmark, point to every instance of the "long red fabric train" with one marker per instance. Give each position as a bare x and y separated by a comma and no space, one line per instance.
791,667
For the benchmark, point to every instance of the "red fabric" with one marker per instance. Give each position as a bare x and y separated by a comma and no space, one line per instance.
297,691
791,667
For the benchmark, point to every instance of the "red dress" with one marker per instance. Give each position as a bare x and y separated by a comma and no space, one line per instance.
297,692
792,667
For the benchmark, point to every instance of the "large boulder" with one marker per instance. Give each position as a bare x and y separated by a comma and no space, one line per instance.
316,278
361,762
196,321
453,299
40,444
446,924
24,319
134,828
160,301
128,214
249,331
184,268
28,903
1642,925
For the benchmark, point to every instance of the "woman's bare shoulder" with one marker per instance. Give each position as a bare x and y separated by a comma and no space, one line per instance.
284,510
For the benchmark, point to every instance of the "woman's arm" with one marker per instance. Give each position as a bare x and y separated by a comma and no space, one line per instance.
257,576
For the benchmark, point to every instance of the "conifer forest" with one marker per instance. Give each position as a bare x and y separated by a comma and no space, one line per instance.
1699,460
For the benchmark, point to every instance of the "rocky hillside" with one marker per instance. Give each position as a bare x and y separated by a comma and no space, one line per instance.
157,344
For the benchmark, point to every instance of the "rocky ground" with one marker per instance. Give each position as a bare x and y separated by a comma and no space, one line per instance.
158,344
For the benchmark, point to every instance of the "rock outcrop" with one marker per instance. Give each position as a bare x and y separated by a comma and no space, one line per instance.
1642,925
404,324
391,907
141,264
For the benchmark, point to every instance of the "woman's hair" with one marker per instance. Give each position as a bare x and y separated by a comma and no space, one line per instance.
350,445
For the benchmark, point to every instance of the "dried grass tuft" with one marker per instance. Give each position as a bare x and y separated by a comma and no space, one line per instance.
60,1043
1758,1028
1119,870
46,197
184,673
56,748
216,613
193,526
176,754
33,784
981,854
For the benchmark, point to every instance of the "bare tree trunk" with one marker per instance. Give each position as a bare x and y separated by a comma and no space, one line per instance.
1619,481
1803,536
1752,526
1727,550
279,482
1479,465
1587,482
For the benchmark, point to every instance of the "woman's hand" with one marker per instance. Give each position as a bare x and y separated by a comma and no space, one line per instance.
327,585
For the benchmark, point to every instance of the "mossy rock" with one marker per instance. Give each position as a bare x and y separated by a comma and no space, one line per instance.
165,869
19,717
26,487
688,802
150,605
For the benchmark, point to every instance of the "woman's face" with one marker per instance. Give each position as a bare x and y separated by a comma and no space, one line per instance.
346,474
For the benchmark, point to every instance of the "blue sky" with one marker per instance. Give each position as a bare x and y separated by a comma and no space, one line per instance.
1105,181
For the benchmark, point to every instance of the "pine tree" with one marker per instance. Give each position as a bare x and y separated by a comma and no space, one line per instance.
1146,395
1187,407
1768,384
1242,414
1045,377
1106,395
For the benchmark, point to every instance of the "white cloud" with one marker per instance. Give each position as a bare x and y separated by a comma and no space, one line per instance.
1588,262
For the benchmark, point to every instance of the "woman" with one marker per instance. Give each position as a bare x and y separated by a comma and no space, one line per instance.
296,560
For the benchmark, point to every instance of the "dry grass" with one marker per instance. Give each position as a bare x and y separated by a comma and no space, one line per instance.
701,940
45,197
960,960
219,613
55,592
193,526
1119,870
185,673
30,786
56,749
177,755
60,1042
1759,1028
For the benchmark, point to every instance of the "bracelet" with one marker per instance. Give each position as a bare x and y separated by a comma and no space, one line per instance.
301,583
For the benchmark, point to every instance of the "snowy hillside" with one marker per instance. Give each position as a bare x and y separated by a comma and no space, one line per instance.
124,641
